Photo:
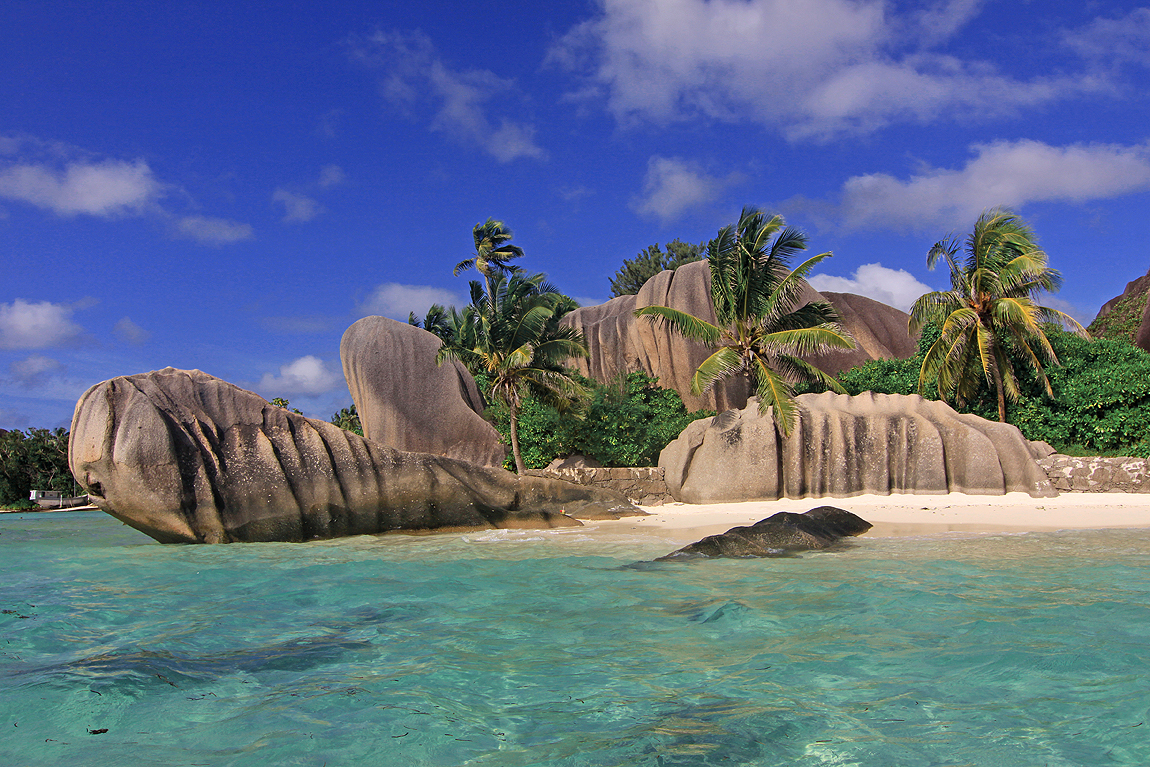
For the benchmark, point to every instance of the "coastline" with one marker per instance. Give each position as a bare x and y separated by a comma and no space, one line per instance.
902,514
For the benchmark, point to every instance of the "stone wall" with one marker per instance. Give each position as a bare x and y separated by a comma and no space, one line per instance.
1070,474
642,485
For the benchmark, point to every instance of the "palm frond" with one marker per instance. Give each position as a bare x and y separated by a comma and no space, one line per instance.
724,363
773,391
687,325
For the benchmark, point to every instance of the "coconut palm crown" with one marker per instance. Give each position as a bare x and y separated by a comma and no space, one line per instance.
491,253
760,331
516,342
989,318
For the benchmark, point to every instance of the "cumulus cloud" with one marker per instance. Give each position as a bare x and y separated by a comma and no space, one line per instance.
33,372
108,188
414,73
810,69
1114,41
297,207
213,231
893,287
397,301
26,325
1003,173
674,185
306,375
130,333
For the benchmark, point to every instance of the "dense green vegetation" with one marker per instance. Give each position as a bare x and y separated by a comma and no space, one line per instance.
991,322
348,420
1123,319
1100,402
624,423
650,261
761,331
36,460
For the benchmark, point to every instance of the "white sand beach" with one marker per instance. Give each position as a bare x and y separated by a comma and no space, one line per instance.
900,515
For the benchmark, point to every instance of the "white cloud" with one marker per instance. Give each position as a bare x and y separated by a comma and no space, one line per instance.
1114,41
398,301
130,333
213,231
25,325
673,185
297,207
893,287
33,372
108,188
811,69
331,175
415,72
1008,174
306,375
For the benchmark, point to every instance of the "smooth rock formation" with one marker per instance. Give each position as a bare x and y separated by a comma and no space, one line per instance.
779,535
620,342
844,446
185,457
407,402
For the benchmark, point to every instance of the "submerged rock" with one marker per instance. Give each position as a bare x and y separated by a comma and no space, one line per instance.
185,457
778,535
843,446
407,402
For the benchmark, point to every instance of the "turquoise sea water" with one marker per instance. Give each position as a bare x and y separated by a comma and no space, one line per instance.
526,648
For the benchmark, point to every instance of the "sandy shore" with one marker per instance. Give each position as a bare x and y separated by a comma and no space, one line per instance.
895,515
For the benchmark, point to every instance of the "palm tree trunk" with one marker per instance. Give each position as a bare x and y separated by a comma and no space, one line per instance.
1001,395
520,468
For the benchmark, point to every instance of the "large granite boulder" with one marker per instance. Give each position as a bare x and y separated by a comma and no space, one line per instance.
188,458
843,446
779,535
407,402
620,342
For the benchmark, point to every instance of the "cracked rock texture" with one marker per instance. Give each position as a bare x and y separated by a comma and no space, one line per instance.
188,458
844,446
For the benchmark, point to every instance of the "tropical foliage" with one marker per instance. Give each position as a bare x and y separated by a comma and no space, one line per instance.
760,332
36,460
989,317
650,261
348,420
626,422
491,254
513,338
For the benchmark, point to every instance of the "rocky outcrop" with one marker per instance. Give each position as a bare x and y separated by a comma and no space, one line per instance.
620,342
1126,316
844,446
188,458
779,535
407,402
1093,474
642,485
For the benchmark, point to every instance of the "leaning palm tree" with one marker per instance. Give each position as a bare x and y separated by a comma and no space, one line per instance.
759,331
491,254
515,340
989,317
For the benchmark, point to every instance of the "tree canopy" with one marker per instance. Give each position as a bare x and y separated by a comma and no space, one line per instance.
650,261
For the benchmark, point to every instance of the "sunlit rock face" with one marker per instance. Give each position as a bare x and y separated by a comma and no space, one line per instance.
185,457
407,402
620,342
844,446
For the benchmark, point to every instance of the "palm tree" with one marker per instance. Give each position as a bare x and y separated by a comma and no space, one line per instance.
989,318
513,337
759,332
491,254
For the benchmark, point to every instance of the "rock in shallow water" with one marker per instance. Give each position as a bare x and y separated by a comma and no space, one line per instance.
779,535
188,458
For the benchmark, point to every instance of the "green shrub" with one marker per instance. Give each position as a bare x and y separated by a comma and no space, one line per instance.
37,460
624,423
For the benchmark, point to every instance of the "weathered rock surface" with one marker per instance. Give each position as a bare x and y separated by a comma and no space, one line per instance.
407,402
1127,315
185,457
844,446
1094,474
620,342
780,535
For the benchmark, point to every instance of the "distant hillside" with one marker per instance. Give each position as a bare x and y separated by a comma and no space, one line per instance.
1120,317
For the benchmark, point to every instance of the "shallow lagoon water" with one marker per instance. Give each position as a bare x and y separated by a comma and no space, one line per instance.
556,648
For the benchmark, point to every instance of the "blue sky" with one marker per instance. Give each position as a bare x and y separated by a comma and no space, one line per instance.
228,187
